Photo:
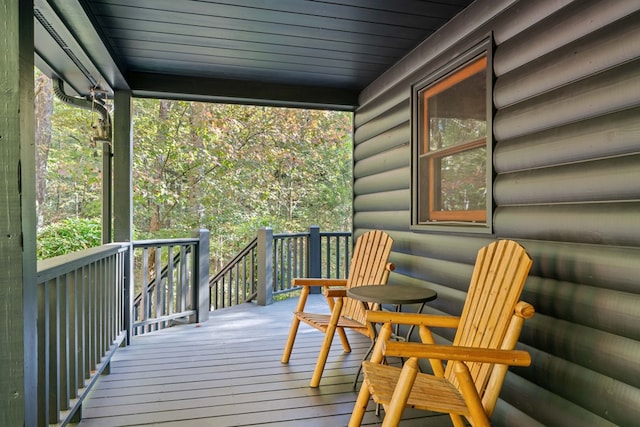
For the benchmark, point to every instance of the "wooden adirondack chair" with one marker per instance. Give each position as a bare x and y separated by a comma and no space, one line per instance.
477,362
369,266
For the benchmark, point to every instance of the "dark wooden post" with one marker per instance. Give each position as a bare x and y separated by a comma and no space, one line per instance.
314,256
265,266
123,192
107,194
202,301
18,290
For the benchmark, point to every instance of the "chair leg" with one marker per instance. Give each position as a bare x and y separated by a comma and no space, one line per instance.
286,354
343,336
401,393
457,420
361,406
293,331
364,395
470,394
343,339
326,343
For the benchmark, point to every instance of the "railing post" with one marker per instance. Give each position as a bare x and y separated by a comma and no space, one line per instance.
128,292
265,266
314,256
201,290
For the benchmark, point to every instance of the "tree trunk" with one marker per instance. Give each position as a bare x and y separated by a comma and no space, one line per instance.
43,113
155,222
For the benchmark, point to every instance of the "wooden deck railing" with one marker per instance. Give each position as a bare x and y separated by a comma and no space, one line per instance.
82,301
86,311
266,266
90,302
167,276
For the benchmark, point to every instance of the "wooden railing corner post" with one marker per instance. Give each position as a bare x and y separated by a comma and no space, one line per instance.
201,295
314,256
265,266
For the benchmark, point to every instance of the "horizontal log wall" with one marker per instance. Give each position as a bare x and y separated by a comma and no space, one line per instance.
567,186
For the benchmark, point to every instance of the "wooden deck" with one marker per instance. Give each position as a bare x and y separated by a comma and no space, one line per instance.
227,372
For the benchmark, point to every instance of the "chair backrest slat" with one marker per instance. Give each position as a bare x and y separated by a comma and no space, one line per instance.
368,267
498,278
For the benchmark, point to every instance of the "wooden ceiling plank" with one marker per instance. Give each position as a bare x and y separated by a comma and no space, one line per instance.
235,50
247,70
202,23
191,11
183,34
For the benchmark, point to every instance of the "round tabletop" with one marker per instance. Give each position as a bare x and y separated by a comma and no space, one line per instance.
392,294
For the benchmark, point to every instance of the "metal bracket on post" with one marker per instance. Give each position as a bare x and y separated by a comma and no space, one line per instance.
265,266
314,256
201,287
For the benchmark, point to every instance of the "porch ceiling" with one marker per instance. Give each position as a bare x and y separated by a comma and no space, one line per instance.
317,53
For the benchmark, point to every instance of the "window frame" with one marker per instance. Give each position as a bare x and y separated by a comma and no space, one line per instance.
448,76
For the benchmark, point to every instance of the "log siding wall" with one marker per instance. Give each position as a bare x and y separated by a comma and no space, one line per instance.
567,186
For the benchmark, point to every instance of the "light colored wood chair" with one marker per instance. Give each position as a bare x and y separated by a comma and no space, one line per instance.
369,266
477,361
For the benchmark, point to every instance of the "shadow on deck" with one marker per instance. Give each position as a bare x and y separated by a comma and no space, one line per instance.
227,372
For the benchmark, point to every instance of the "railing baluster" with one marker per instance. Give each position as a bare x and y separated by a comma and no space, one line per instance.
280,261
91,324
158,285
87,323
43,353
183,279
54,351
170,273
244,278
327,256
100,312
110,286
83,344
236,297
63,330
72,313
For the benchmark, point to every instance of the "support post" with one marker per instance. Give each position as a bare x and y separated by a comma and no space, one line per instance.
107,194
314,256
265,266
202,295
123,193
18,288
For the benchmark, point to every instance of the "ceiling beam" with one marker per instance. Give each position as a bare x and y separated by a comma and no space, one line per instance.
150,85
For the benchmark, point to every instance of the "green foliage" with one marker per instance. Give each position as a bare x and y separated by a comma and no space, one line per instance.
74,171
228,168
233,169
68,235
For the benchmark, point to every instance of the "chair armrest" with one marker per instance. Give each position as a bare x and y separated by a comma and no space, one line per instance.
335,293
463,354
318,282
413,319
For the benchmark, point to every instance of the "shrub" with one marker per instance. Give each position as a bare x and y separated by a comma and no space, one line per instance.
69,235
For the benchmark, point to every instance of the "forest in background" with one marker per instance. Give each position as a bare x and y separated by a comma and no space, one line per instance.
228,168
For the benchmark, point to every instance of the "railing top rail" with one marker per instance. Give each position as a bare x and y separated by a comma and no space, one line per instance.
59,265
336,233
289,235
165,242
306,234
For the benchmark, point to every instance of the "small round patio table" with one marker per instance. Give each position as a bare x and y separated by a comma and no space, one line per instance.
393,294
397,295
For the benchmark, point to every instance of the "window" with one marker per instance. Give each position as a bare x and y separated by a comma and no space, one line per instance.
452,146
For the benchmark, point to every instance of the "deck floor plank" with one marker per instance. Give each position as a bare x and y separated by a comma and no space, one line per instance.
227,372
